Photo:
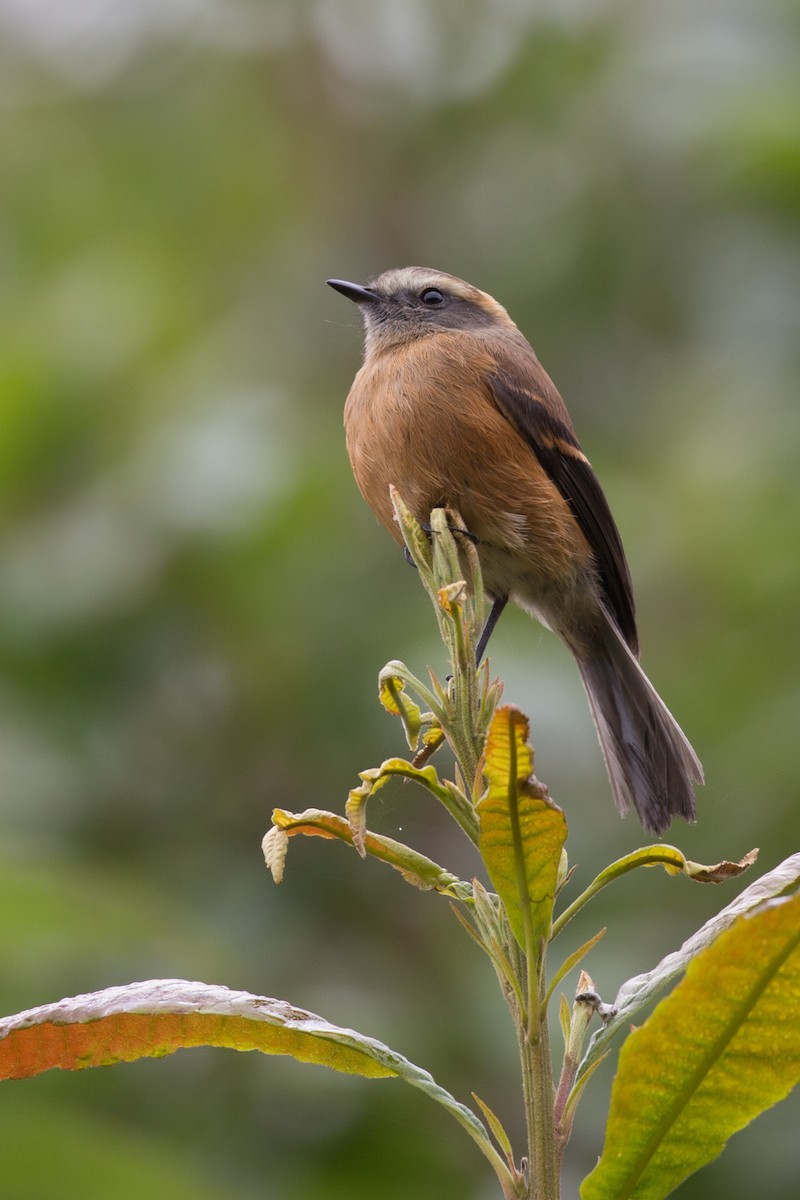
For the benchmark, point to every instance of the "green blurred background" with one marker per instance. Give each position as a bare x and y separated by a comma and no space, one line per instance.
195,603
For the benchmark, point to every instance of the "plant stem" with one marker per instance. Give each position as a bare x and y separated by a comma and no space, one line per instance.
529,1092
544,1159
538,1096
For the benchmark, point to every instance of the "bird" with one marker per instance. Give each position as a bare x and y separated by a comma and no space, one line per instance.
452,408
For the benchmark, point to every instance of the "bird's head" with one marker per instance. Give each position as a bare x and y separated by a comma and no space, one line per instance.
411,302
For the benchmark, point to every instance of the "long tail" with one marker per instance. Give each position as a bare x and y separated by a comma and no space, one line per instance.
649,761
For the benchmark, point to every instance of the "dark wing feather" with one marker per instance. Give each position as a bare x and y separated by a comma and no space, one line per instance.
554,442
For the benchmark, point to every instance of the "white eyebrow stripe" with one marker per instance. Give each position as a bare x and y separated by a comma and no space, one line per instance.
418,278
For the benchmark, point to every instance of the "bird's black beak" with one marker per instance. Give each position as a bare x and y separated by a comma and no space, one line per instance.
353,291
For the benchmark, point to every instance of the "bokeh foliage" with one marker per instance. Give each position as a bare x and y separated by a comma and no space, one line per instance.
194,602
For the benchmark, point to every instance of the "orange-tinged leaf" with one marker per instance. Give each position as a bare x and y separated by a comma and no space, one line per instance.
159,1016
522,831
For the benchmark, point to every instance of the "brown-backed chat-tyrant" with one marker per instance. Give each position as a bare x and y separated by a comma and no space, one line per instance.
453,408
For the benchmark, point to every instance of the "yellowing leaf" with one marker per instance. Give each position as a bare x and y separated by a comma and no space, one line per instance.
394,698
445,792
522,831
415,868
724,1046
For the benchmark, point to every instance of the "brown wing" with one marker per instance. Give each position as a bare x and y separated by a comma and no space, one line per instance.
533,411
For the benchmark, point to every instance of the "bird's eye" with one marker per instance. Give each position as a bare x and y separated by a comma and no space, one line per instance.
431,297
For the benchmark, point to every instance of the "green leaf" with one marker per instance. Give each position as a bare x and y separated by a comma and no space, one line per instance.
572,961
160,1016
671,859
496,1126
717,1052
417,541
640,991
522,831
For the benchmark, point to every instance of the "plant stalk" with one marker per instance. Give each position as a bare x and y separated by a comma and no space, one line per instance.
541,1121
538,1092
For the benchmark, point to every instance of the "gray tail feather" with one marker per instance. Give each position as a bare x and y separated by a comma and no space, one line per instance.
649,761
